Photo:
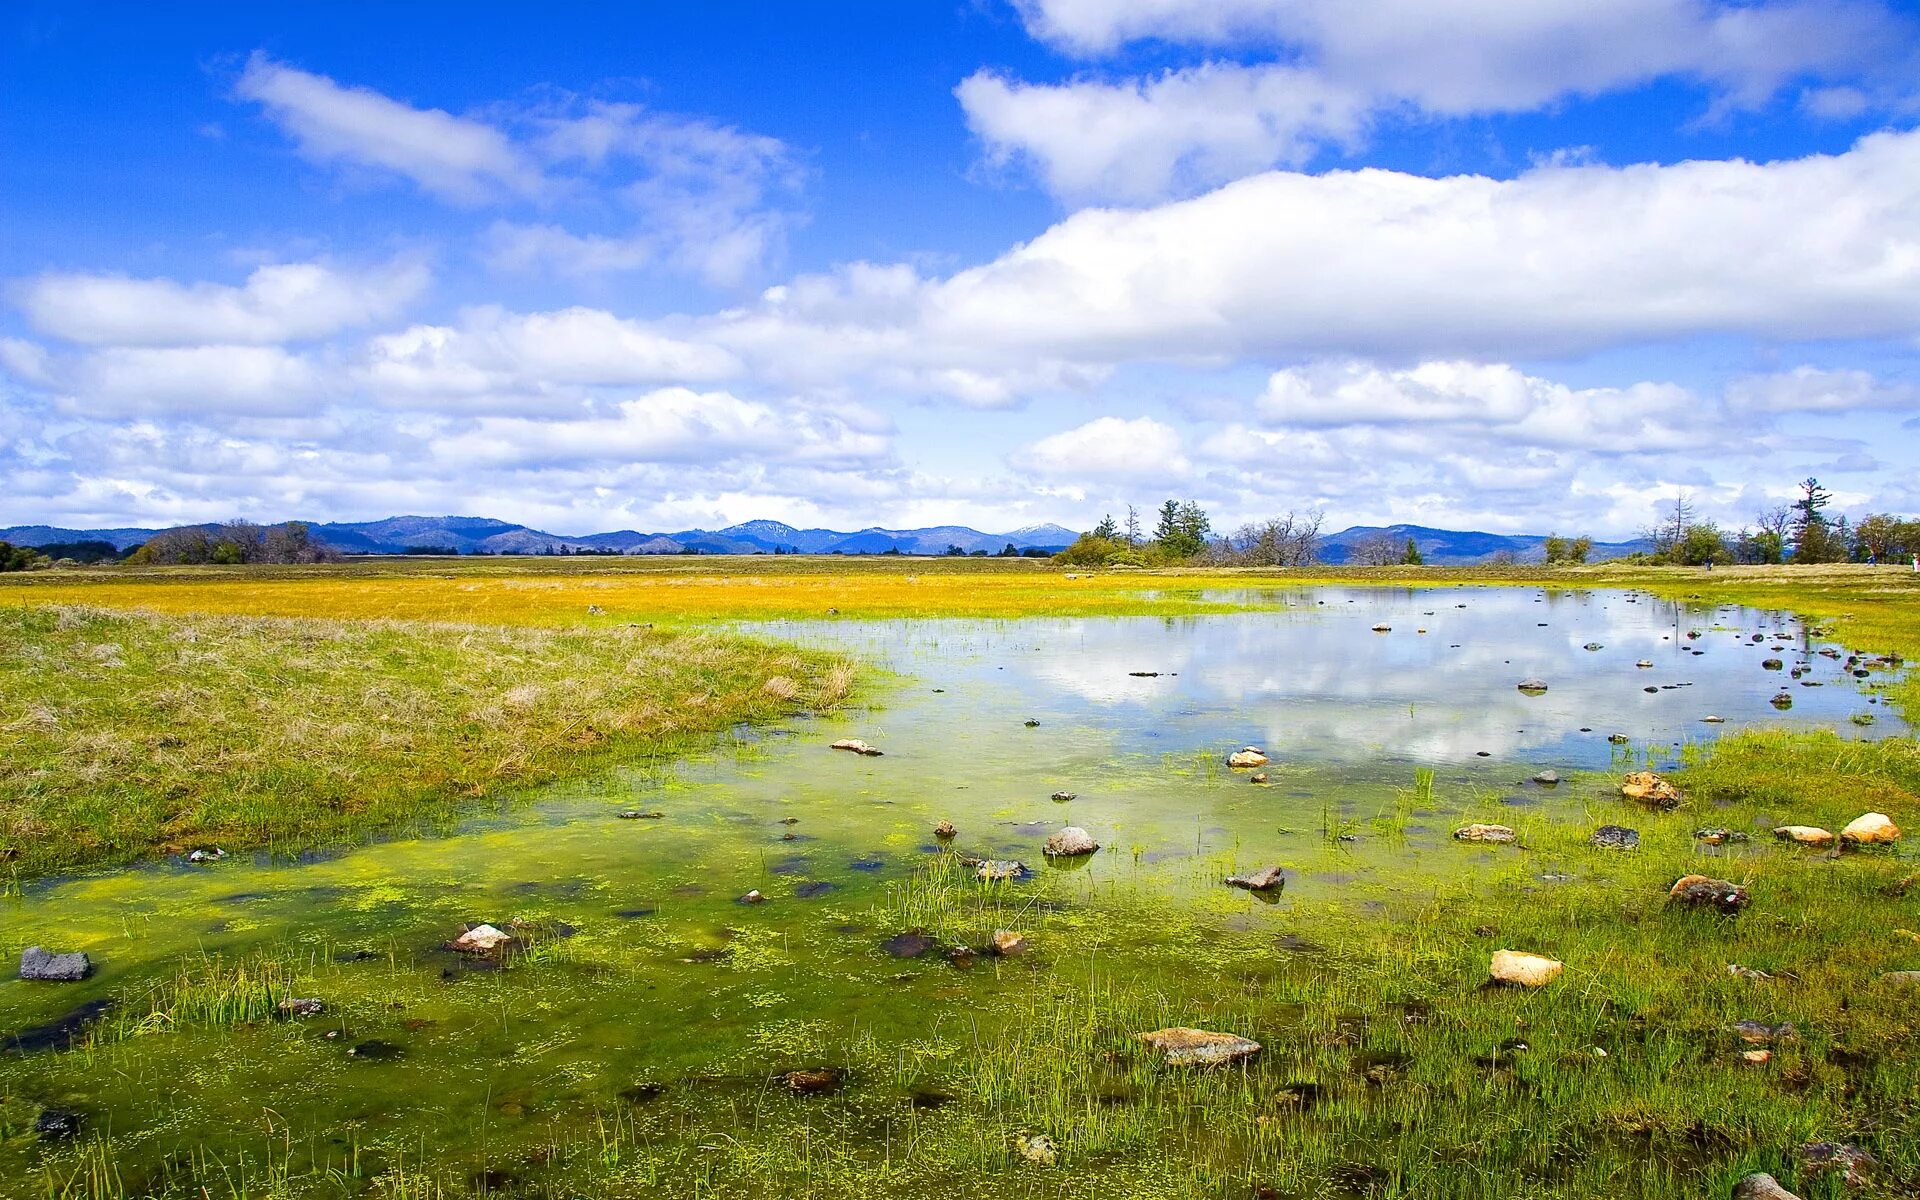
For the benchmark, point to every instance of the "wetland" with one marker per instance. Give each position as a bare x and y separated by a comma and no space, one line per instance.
734,961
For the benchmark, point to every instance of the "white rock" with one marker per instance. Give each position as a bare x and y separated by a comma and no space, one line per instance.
1872,827
481,939
1524,970
1806,835
1484,833
1070,842
1252,756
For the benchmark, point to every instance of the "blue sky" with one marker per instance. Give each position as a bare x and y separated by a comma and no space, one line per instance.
1512,266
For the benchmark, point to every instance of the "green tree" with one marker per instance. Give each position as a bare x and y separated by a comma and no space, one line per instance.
1106,529
1813,537
1412,557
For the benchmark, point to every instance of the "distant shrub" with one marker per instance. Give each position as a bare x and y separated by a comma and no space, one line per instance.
235,543
21,558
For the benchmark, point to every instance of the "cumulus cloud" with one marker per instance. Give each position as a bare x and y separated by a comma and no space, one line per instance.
1108,448
280,302
1341,64
1814,390
122,381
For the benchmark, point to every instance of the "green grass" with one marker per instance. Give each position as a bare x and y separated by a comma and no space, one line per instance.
128,735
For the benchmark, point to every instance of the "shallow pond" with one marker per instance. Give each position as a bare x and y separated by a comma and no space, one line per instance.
646,989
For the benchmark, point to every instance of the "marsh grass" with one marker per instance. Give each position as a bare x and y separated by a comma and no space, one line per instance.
125,735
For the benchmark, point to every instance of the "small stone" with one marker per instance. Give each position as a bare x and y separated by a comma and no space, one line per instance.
207,856
996,870
481,939
1186,1047
1851,1163
1718,836
1761,1186
1533,687
295,1006
1782,700
1901,978
1615,837
1771,664
1700,891
1037,1149
1714,720
1546,778
1251,756
1008,942
945,831
812,1082
49,967
1755,1058
856,746
1645,664
1383,629
1500,834
1651,790
56,1124
635,814
1070,842
753,897
1618,739
1032,724
1258,777
1806,835
1870,828
1517,969
1265,879
1759,1033
1593,646
1063,797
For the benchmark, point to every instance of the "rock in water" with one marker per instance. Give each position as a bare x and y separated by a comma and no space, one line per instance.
1008,942
1547,778
48,967
1870,828
1700,891
1719,836
481,939
1615,837
811,1083
1038,1150
945,831
1806,835
1262,880
1063,797
1517,969
856,746
753,897
1650,789
1532,687
1251,756
999,869
1070,842
1484,833
1184,1047
1761,1186
56,1124
297,1006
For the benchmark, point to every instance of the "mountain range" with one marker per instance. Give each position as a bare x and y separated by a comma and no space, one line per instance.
484,535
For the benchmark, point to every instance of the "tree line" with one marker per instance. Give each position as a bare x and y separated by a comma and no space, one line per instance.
234,543
1182,534
1800,532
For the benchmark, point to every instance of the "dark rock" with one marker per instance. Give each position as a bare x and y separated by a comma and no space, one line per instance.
811,1083
1718,836
812,888
945,830
58,1034
47,966
1851,1163
56,1124
911,944
1759,1033
1063,797
375,1050
1698,891
1533,687
1615,837
1265,879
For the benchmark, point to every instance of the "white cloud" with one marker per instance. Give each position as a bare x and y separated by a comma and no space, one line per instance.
122,381
278,303
25,361
1812,390
1107,448
1342,63
499,360
456,158
1177,132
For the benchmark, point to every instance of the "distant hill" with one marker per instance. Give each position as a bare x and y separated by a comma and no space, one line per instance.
1457,548
484,535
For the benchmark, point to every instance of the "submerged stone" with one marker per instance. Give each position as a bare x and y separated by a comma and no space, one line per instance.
375,1050
58,1034
57,1124
1186,1047
812,1082
1718,836
1037,1149
995,870
297,1006
1806,835
37,963
1477,832
911,944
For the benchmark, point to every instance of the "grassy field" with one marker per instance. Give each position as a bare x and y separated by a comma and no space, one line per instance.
125,734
